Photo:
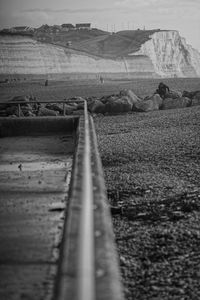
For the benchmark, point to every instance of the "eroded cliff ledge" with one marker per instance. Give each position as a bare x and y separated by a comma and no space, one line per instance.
170,54
165,54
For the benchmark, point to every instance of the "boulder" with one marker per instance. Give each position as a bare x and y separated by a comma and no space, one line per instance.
133,99
16,99
170,103
197,95
20,98
14,111
195,101
78,101
30,114
78,112
55,107
119,105
191,95
151,103
173,94
96,106
109,98
69,109
27,109
80,105
43,111
74,105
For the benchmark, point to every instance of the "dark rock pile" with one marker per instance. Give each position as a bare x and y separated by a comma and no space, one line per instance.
124,102
31,107
127,101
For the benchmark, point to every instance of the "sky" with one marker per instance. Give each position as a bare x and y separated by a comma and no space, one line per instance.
111,15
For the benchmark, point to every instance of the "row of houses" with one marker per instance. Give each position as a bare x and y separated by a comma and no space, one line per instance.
54,28
78,26
24,29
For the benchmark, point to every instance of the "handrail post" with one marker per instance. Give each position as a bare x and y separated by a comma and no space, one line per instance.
63,108
18,109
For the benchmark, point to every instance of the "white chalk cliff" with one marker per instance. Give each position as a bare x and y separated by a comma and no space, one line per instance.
171,55
165,54
24,55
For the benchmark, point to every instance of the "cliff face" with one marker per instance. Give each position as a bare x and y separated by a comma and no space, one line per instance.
165,54
23,55
170,55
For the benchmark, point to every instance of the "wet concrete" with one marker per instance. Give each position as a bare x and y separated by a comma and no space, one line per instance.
34,180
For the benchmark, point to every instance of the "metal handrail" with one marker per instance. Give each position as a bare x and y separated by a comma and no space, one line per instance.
88,267
86,256
19,103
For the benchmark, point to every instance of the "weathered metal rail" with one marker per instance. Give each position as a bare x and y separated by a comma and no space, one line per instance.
88,263
19,103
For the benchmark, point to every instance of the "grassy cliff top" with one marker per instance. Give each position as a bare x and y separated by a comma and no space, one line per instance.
112,45
94,42
98,42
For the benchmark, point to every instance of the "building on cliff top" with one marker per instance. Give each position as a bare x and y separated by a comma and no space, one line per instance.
83,26
67,27
21,29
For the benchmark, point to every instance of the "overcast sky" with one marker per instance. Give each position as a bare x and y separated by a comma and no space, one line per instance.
114,15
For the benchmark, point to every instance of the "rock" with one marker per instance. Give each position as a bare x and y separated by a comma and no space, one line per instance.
106,99
197,95
191,95
153,103
96,106
80,106
195,101
69,109
20,99
79,112
17,99
43,111
80,102
30,114
188,94
79,99
27,109
119,105
157,100
55,107
170,103
74,106
147,105
173,94
133,98
196,98
14,111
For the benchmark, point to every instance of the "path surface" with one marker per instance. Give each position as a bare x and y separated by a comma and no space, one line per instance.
34,180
